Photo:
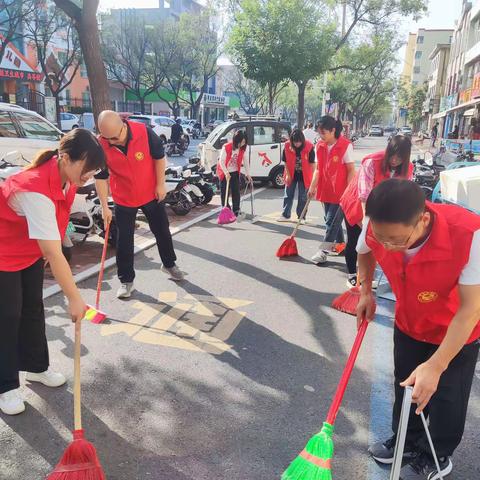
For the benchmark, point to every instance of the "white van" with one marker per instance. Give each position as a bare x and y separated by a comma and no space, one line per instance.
266,138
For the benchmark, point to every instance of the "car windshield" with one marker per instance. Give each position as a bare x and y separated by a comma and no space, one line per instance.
216,133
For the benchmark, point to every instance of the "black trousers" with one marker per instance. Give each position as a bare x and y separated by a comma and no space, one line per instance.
158,221
23,342
351,248
447,410
233,191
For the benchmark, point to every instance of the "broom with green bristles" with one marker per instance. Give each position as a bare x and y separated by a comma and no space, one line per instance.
315,461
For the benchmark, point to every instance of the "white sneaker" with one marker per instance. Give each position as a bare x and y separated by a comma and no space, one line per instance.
303,221
48,378
281,218
320,257
175,273
125,290
11,403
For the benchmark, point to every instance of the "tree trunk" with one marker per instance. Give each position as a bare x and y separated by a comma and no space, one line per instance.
57,107
271,95
142,103
301,104
89,37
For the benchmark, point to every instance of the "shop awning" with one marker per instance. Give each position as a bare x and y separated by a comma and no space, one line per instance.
471,103
470,112
16,66
439,115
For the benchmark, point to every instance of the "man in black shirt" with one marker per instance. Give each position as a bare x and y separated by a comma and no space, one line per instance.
177,131
136,172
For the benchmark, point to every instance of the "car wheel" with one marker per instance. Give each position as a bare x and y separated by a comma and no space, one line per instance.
276,177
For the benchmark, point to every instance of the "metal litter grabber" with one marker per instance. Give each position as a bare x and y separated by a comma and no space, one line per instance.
402,436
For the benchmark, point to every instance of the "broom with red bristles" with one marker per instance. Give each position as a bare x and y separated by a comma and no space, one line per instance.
79,461
347,302
289,246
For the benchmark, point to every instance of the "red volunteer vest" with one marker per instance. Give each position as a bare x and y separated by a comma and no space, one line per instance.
17,250
133,179
229,150
426,288
291,158
332,180
350,203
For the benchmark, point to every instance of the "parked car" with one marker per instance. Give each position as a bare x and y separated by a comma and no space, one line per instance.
390,131
25,131
211,126
87,121
162,126
188,125
406,131
68,121
266,139
376,131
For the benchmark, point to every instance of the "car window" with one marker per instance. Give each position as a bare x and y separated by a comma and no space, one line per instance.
7,128
36,127
282,134
263,135
144,120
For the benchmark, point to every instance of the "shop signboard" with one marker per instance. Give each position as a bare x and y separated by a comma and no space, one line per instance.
465,96
476,86
16,67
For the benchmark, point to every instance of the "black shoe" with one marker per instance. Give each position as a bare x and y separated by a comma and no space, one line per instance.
383,452
423,467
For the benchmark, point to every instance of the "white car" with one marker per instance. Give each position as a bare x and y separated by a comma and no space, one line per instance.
266,139
25,131
188,125
162,126
68,121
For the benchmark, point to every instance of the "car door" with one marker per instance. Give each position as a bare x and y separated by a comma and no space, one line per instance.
264,150
9,134
37,134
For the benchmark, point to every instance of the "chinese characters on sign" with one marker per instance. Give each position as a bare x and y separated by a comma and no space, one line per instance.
19,75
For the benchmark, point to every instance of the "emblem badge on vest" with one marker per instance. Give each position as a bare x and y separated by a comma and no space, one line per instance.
266,161
335,158
427,297
139,156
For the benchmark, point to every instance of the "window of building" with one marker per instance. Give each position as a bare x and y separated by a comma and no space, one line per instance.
62,58
416,70
83,70
7,128
86,98
67,95
420,39
418,55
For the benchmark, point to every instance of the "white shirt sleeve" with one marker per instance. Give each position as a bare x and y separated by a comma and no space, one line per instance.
246,164
471,272
223,159
362,247
39,211
348,157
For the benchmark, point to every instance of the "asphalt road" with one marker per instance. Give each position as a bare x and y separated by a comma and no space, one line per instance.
224,376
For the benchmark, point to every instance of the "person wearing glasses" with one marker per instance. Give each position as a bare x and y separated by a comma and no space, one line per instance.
136,173
430,254
34,212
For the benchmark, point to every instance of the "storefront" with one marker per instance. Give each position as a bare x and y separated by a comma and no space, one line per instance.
213,107
20,80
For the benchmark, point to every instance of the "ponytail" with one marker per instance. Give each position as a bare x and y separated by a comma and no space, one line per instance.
329,123
43,156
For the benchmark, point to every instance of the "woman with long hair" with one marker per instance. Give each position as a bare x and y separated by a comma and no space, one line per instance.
299,158
229,168
34,213
335,169
375,168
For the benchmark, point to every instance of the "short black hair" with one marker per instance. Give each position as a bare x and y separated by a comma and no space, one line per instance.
297,136
395,201
329,123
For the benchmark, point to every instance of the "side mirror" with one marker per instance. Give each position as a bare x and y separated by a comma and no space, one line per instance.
223,141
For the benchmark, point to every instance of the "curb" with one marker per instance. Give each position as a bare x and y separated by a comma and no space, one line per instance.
90,272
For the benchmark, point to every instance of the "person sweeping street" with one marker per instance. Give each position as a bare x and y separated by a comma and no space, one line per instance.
230,163
335,169
34,212
299,158
430,254
375,168
135,172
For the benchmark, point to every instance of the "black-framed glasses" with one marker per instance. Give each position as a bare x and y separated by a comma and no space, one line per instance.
403,244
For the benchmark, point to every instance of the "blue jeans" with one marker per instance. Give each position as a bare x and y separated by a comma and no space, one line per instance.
290,194
333,223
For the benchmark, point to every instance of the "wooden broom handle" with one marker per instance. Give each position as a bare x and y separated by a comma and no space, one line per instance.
304,212
226,193
77,401
102,265
342,386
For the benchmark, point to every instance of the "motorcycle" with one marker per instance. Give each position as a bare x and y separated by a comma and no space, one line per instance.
426,173
178,198
86,214
177,148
